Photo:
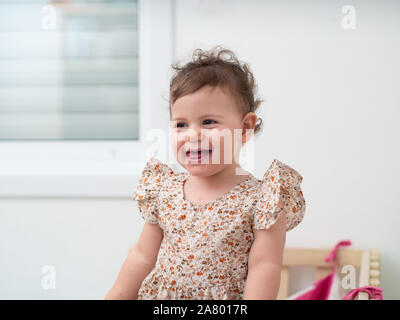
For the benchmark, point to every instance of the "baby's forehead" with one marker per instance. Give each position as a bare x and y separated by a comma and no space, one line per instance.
199,115
203,108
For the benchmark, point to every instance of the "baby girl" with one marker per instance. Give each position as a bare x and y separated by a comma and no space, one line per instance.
213,231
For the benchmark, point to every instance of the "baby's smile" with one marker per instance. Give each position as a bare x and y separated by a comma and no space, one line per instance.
198,155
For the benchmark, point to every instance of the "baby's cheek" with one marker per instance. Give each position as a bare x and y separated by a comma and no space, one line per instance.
177,141
226,144
217,137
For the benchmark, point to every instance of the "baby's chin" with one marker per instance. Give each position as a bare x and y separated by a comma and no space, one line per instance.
202,170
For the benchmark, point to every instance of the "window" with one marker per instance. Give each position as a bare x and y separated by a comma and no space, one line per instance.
69,71
75,76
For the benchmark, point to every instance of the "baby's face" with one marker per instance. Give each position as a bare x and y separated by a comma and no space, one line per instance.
208,120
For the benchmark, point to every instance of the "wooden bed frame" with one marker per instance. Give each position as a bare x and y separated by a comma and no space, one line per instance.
366,261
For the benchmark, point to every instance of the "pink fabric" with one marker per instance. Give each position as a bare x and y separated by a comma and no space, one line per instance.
322,287
373,293
333,253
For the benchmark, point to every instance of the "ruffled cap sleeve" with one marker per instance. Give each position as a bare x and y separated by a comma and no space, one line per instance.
146,192
279,192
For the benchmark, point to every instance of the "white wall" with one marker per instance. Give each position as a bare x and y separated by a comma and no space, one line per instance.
331,111
86,240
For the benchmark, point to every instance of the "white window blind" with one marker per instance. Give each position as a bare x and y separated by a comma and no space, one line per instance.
69,70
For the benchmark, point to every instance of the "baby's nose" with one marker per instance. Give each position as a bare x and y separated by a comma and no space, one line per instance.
195,133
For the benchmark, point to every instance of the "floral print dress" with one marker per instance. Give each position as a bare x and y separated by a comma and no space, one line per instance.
205,248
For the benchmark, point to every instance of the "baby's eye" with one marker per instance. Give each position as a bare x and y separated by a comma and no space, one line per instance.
180,124
209,121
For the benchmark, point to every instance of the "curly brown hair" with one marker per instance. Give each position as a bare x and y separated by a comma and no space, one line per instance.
211,68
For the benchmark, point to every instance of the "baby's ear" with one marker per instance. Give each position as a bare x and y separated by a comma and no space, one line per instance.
248,124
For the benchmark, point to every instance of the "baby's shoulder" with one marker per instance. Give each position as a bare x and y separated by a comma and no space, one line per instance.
155,177
279,191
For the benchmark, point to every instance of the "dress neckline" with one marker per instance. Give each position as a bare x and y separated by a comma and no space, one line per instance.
185,176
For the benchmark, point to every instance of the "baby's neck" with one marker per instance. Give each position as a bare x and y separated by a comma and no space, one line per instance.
204,188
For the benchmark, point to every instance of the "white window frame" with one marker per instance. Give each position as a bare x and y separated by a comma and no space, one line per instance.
98,168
